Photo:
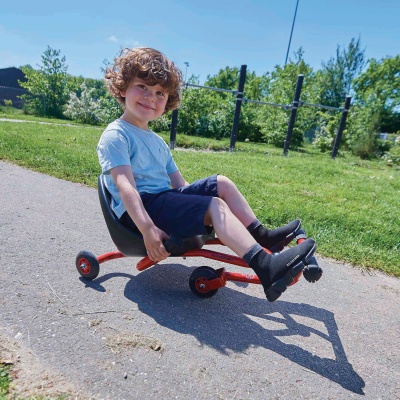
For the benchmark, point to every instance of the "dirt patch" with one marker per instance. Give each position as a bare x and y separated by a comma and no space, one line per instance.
30,378
128,340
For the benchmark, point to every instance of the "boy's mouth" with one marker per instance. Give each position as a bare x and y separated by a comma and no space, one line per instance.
146,107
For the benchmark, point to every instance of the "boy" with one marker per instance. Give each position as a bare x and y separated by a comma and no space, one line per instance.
150,194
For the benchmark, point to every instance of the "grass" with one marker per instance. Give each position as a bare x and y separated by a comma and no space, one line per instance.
15,113
349,206
5,380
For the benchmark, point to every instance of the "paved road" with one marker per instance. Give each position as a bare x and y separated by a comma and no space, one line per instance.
131,335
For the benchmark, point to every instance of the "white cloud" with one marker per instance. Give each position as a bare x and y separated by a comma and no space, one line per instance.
113,39
132,43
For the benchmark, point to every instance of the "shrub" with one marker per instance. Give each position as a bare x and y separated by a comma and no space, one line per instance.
110,108
84,108
162,124
326,131
366,146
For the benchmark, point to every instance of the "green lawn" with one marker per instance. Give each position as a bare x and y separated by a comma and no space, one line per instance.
351,207
5,380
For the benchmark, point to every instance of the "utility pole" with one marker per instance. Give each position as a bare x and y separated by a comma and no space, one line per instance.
291,33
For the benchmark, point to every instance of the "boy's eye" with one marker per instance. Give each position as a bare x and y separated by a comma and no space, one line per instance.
161,94
142,86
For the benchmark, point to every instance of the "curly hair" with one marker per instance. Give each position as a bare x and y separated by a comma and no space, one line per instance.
147,64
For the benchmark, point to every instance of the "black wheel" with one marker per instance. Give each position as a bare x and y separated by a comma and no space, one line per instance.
197,281
312,273
87,265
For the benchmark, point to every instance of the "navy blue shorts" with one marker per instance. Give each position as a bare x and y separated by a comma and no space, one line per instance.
179,212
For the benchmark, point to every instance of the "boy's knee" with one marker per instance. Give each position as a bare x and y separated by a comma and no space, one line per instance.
224,183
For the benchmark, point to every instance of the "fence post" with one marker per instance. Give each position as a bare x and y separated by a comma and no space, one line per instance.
342,124
293,113
172,134
239,97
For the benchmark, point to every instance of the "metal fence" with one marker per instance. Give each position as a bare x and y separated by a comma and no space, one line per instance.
293,107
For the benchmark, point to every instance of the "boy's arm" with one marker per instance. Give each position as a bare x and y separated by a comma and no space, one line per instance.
177,180
153,236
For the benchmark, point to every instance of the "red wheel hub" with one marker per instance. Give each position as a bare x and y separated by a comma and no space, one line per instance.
84,265
201,285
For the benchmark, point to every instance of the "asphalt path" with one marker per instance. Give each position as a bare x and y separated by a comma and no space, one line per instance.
144,335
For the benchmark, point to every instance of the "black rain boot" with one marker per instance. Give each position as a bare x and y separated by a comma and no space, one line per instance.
276,239
277,271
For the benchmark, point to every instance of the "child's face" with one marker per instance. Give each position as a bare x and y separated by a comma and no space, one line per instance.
143,103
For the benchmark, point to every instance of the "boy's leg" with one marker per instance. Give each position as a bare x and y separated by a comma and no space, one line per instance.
228,227
277,271
275,239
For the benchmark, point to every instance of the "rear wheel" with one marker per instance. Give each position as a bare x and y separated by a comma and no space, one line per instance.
87,265
198,281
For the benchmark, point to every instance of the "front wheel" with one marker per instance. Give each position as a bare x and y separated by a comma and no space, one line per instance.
198,281
87,265
313,271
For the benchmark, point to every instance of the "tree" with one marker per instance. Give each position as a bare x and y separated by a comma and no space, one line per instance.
337,75
381,81
227,78
281,84
48,86
210,113
98,86
205,113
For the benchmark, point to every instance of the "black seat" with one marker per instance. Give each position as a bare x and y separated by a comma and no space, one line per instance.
131,243
128,242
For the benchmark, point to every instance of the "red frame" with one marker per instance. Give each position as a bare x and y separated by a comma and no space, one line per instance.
223,275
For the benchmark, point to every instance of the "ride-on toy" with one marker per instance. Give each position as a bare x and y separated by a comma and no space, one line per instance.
204,281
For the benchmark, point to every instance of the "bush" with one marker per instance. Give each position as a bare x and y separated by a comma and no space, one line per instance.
205,113
323,142
364,126
326,131
392,156
366,146
274,125
83,109
162,124
110,108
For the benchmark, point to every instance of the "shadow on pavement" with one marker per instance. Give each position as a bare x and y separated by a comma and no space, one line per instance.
226,322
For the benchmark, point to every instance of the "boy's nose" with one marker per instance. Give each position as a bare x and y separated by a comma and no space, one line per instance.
149,96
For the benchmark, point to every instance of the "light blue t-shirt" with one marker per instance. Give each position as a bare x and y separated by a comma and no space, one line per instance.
146,152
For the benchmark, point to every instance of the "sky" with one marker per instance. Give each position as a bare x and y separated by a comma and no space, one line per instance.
207,34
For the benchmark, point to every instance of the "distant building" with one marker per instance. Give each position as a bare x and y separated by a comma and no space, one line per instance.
9,86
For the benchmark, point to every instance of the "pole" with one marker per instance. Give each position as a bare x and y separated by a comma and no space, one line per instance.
187,64
293,113
342,124
291,32
174,123
239,98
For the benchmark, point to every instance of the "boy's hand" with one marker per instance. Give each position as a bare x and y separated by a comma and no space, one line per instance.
153,241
